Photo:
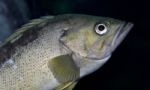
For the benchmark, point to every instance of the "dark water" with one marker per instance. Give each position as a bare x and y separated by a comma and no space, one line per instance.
13,13
129,67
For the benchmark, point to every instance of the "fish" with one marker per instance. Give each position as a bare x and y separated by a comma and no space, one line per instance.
55,52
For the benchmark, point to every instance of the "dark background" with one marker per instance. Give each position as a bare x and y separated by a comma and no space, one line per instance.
128,69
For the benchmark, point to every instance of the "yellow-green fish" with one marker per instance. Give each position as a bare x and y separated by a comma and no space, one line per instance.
54,52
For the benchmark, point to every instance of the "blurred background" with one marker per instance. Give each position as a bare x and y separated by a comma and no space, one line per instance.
129,67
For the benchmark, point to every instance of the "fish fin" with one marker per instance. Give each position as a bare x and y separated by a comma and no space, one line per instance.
70,87
35,23
64,69
66,86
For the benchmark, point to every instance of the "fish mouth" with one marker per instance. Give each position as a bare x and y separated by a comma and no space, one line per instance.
121,33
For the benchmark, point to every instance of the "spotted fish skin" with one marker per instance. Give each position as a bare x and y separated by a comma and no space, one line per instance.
54,52
31,54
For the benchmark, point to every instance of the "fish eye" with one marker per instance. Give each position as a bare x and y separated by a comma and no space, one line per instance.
101,29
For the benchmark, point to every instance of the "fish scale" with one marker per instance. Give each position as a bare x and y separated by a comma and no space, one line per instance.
31,69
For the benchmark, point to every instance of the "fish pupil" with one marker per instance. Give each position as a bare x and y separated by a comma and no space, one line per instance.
101,27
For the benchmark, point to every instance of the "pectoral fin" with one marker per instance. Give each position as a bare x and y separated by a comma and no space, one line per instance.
64,69
66,86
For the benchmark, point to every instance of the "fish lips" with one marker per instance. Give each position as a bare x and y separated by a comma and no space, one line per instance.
121,33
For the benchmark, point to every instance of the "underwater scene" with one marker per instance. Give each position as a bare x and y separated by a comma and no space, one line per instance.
74,45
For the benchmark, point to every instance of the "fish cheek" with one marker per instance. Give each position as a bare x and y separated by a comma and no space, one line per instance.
91,38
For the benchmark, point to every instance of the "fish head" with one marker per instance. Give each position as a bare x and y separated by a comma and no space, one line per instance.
95,38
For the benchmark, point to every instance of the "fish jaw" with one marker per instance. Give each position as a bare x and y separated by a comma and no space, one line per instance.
122,32
95,64
119,36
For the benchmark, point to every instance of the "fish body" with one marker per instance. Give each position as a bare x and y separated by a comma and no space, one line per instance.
55,51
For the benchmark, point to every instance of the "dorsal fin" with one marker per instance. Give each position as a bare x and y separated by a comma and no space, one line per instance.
27,33
35,23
